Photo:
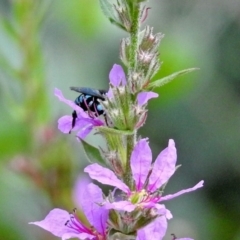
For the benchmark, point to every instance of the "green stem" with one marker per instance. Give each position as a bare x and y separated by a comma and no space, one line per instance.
134,37
128,173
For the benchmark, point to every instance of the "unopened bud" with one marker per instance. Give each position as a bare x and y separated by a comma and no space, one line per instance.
142,120
124,50
124,17
145,57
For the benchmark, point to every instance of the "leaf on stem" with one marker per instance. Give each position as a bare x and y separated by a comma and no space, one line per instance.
93,154
169,78
108,10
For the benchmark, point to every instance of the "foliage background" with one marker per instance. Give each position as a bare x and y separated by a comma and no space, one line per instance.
75,45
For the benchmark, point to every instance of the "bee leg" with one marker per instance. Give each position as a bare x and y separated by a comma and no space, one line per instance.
88,109
74,117
95,110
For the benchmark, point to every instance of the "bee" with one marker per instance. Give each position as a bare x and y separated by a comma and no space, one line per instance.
88,100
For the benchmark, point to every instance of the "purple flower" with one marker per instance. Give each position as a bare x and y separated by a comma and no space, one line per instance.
117,78
183,239
62,224
147,185
84,123
154,230
143,97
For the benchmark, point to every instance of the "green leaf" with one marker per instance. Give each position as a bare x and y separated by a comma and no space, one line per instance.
107,130
93,154
107,9
169,78
117,24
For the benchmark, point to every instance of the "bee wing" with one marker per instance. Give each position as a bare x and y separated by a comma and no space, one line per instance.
89,91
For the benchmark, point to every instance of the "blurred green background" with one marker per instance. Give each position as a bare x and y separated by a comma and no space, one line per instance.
47,44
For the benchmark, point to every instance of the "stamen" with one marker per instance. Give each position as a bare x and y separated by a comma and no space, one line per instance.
95,109
174,236
75,224
66,223
89,111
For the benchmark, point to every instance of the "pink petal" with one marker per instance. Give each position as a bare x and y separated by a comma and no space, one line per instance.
79,188
90,199
84,124
78,235
55,222
117,76
70,103
184,239
164,167
141,160
168,214
84,131
95,121
121,206
148,204
65,124
162,210
144,97
105,176
171,196
155,230
109,94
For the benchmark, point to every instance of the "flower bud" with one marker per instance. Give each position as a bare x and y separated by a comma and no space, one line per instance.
124,51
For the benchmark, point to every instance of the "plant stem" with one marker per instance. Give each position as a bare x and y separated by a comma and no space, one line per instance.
134,37
128,173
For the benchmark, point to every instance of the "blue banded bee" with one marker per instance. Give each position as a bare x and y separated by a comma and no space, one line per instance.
88,100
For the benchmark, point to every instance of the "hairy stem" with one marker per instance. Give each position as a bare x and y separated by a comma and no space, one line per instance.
134,37
131,139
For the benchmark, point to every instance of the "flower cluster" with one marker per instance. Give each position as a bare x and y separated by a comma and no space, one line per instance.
133,209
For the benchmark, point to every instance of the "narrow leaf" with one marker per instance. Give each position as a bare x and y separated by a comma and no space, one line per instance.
92,153
117,24
107,9
107,130
169,78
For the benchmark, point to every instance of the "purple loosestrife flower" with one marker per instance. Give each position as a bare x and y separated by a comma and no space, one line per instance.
149,178
155,230
117,76
143,97
183,239
117,79
84,123
62,224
